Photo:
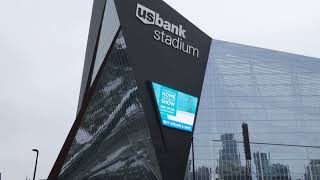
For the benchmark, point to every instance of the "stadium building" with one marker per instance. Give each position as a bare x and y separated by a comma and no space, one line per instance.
161,100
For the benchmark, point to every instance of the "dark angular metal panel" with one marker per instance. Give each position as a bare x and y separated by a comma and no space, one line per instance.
153,60
149,60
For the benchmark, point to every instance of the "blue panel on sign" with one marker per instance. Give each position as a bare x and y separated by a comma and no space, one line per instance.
177,109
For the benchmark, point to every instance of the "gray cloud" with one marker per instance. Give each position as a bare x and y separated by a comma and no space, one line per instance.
42,52
288,25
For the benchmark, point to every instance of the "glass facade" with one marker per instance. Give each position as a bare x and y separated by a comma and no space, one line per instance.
113,140
109,27
278,95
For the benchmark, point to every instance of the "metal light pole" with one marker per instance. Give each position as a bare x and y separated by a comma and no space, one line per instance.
35,167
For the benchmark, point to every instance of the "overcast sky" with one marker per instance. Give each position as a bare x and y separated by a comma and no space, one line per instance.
42,48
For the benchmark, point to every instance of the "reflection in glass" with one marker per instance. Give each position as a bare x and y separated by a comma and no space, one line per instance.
113,141
278,95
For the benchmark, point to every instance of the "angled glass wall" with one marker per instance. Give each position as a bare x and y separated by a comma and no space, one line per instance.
113,140
109,27
278,95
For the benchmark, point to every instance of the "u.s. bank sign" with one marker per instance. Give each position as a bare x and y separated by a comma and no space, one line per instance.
150,17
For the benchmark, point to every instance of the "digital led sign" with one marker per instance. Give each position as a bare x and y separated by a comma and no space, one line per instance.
177,109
